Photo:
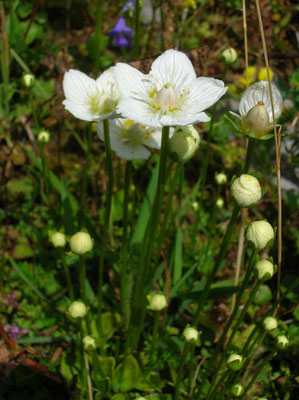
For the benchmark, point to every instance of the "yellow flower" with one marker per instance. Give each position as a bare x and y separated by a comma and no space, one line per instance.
263,76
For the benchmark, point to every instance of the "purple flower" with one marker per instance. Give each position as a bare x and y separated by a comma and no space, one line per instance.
121,35
15,332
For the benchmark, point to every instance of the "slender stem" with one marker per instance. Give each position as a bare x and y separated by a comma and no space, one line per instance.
98,35
125,273
245,40
136,33
179,377
82,279
67,274
89,383
85,177
277,148
250,147
45,171
154,338
147,246
107,213
32,105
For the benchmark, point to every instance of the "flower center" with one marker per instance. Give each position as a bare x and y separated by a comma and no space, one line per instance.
101,103
135,134
167,98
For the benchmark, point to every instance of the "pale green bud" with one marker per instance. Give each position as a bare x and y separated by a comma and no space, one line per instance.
191,335
264,269
257,121
157,302
77,309
229,55
234,362
58,239
28,80
260,234
220,178
184,143
195,205
270,323
282,342
246,190
43,137
81,243
89,343
220,203
237,390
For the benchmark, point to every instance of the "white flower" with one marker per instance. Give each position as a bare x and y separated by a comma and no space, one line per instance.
259,92
89,99
129,139
169,95
246,190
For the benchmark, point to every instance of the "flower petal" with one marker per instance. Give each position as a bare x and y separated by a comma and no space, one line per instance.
130,81
138,111
204,92
80,111
173,67
154,139
76,84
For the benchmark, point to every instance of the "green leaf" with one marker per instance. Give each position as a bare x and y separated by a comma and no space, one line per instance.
126,375
263,295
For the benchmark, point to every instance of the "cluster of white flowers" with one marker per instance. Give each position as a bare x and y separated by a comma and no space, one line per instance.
169,95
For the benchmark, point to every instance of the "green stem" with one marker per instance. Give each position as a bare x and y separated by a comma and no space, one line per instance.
125,272
107,213
82,364
98,35
229,322
179,378
154,339
143,273
67,274
136,32
85,177
259,369
82,279
250,147
224,379
45,171
32,105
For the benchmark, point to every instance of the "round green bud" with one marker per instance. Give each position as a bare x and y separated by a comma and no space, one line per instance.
58,239
234,362
264,270
184,143
282,342
77,309
191,335
28,80
257,121
237,390
220,203
260,234
89,343
246,190
229,55
270,323
220,178
157,302
43,137
81,243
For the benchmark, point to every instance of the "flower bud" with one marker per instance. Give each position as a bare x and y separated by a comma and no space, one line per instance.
246,190
282,342
220,203
234,362
264,270
58,239
270,323
191,335
257,121
229,55
28,80
157,302
263,75
43,137
260,234
77,309
220,178
81,243
237,390
89,343
183,143
195,205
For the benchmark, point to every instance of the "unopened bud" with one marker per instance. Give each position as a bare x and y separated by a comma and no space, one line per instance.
81,243
157,302
183,143
89,343
28,80
43,137
195,205
282,342
229,55
246,190
220,178
58,239
77,309
257,121
260,234
264,270
270,323
234,362
237,390
191,335
220,203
